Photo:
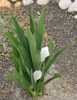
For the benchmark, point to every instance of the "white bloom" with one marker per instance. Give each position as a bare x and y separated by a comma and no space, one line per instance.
64,4
44,53
37,75
73,7
42,2
27,2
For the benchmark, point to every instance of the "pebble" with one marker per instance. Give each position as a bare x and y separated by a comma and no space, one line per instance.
75,17
27,2
17,4
13,0
5,4
73,7
42,2
64,4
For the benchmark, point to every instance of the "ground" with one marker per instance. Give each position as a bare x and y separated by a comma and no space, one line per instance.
64,30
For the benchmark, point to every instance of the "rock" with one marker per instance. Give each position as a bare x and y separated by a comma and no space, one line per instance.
13,0
75,17
27,2
42,2
64,4
5,3
73,7
17,4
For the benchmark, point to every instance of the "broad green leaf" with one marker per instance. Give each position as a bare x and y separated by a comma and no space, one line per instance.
13,40
23,81
35,54
39,87
25,84
20,34
51,47
39,33
15,51
43,71
13,77
54,77
26,60
32,22
59,53
22,72
15,61
42,38
32,80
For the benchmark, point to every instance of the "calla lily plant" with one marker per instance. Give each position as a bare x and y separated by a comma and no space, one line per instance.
31,59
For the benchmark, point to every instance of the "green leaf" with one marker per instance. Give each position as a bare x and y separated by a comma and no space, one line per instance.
13,77
20,34
59,53
15,51
13,40
39,87
54,77
32,22
40,30
35,54
43,71
32,80
24,82
26,60
22,72
51,47
15,61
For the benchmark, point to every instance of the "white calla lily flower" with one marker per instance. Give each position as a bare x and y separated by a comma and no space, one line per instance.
37,75
44,53
27,2
42,2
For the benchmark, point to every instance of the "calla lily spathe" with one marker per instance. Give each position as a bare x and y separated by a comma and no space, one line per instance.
37,75
27,2
44,53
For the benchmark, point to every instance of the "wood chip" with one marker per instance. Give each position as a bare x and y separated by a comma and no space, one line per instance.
5,91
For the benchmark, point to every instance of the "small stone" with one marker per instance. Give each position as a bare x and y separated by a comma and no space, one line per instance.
17,4
73,7
75,17
13,0
27,2
42,2
64,4
5,3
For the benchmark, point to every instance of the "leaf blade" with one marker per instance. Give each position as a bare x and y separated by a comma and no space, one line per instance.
54,77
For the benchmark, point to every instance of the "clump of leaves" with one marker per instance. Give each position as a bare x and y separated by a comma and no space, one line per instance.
30,58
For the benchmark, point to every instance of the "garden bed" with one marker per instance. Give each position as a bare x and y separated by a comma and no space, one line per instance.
64,30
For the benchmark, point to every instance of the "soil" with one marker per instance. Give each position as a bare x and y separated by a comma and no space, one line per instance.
64,30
